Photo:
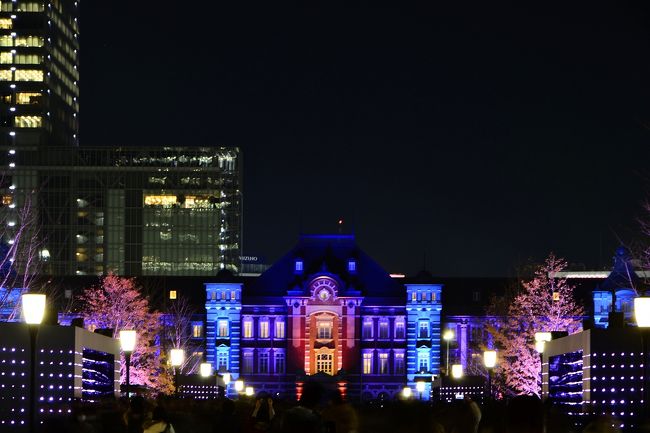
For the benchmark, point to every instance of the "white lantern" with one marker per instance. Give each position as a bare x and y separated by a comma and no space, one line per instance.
250,391
127,340
642,311
226,378
543,336
407,392
177,357
457,371
419,386
539,346
206,369
490,358
33,308
239,385
448,335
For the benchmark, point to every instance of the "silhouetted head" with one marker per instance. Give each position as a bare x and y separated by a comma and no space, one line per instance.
159,414
525,414
312,392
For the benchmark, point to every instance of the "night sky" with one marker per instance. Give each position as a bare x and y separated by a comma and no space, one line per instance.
479,136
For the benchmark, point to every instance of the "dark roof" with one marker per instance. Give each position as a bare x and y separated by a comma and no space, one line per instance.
326,254
623,275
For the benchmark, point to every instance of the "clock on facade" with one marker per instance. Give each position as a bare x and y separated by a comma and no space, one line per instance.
323,288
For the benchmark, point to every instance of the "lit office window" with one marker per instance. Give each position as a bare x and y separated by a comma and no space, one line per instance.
423,331
383,363
264,328
28,41
399,330
197,330
324,329
28,75
5,75
172,294
399,363
280,364
29,7
28,59
29,122
6,41
383,329
6,58
279,328
223,328
263,363
367,363
248,328
5,23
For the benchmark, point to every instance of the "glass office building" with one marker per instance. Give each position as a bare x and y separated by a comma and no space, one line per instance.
133,211
39,73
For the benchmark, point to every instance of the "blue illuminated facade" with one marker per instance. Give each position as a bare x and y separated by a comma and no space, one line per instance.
327,312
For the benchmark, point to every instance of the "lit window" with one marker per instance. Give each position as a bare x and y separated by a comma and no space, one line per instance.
423,361
399,330
172,294
197,330
279,362
223,295
383,363
414,296
264,328
5,75
279,328
6,41
28,75
248,328
352,265
263,363
28,41
367,330
399,363
423,329
324,363
29,7
6,58
5,23
383,329
299,265
233,296
556,296
324,329
223,328
28,121
367,363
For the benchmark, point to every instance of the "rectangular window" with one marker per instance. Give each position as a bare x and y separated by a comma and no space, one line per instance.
367,363
423,361
28,75
399,330
197,330
324,330
233,295
248,328
222,330
399,363
279,328
264,363
279,362
414,296
5,75
367,330
383,363
223,295
247,366
299,265
6,41
264,328
383,330
28,41
5,23
324,363
222,360
352,266
6,58
423,329
172,294
28,121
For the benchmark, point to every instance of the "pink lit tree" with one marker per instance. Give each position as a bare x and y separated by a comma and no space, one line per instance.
118,303
544,303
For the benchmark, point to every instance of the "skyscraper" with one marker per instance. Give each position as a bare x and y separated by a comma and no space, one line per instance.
39,73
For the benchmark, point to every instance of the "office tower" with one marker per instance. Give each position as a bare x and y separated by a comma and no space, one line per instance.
132,211
39,76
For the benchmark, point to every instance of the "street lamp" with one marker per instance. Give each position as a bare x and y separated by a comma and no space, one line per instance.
177,357
448,335
420,386
206,369
642,316
489,361
33,312
239,385
457,371
225,376
127,343
407,392
249,391
540,345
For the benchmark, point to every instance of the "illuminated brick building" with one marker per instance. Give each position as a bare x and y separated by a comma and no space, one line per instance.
327,311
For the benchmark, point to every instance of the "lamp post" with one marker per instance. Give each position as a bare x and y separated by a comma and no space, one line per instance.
127,343
420,386
33,312
642,316
226,377
540,345
448,335
177,357
489,361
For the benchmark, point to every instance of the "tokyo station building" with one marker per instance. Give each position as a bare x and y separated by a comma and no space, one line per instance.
325,311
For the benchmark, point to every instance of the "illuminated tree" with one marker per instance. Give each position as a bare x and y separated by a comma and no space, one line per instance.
177,324
545,303
118,303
